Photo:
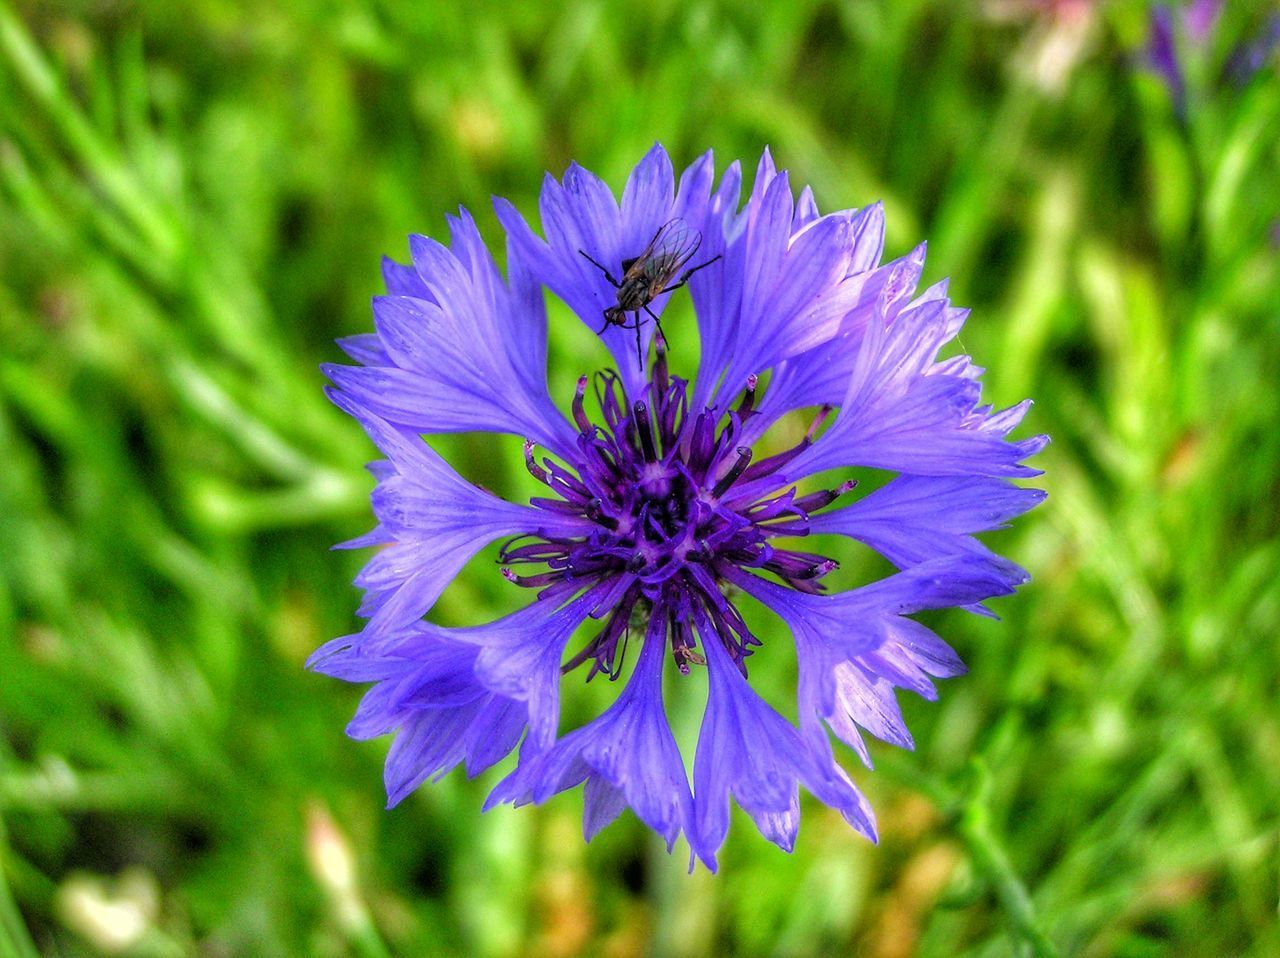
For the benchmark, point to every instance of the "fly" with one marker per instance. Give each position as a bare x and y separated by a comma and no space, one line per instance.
648,275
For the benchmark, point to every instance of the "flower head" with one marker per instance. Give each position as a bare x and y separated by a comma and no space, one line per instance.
659,512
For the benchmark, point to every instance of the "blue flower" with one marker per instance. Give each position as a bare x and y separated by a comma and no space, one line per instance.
658,512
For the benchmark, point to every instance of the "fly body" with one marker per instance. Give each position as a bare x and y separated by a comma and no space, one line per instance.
654,271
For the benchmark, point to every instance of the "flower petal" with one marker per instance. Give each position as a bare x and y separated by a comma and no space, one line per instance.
628,757
519,658
583,222
858,643
458,349
428,694
747,750
916,518
647,198
788,281
435,520
904,412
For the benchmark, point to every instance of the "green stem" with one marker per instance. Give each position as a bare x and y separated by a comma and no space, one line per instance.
992,862
15,939
972,815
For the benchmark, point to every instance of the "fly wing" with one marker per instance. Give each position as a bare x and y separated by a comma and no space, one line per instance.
671,247
674,245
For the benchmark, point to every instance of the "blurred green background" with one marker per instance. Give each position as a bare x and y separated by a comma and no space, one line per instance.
193,201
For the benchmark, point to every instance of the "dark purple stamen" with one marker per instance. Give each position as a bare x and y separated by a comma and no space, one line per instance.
531,464
748,396
579,413
645,428
675,499
730,477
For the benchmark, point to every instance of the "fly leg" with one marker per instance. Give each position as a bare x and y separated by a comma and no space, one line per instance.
636,325
657,322
684,277
607,275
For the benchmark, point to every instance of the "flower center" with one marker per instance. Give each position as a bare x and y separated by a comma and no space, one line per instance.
674,499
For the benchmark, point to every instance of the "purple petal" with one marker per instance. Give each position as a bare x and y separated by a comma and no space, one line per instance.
366,349
628,756
581,218
519,658
458,349
402,280
1200,18
916,518
602,803
855,648
435,519
647,198
747,750
930,427
806,210
428,693
1162,54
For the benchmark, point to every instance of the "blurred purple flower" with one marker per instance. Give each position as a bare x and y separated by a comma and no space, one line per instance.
1251,57
1199,21
658,511
1162,54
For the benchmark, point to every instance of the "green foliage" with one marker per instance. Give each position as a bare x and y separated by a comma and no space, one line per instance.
193,200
